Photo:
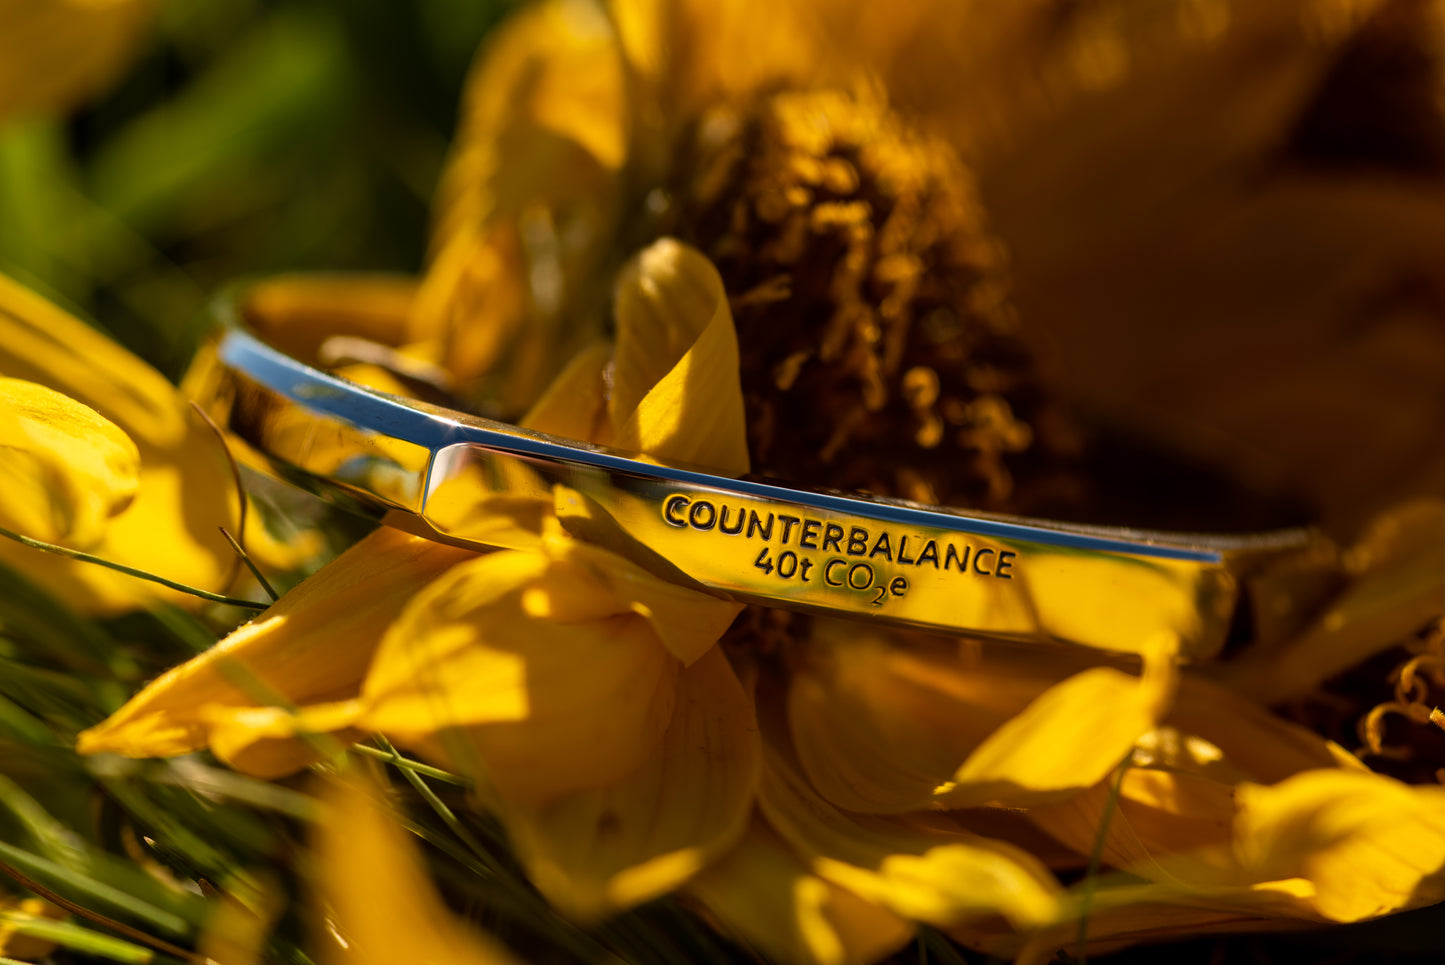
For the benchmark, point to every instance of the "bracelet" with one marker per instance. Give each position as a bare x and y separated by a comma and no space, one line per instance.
423,468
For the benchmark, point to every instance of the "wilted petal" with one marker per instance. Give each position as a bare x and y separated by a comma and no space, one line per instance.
764,895
1070,737
65,469
313,646
644,833
376,895
675,390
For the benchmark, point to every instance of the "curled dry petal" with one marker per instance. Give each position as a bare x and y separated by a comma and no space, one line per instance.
675,392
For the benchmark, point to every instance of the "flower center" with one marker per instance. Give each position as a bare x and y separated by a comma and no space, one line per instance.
879,348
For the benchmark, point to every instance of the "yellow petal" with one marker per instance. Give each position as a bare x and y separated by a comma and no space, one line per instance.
690,53
687,622
550,74
575,403
1070,737
298,313
923,875
1397,586
53,53
879,724
762,894
1368,844
1247,741
65,469
17,913
642,835
529,188
527,653
314,645
185,493
376,896
41,343
1179,796
675,389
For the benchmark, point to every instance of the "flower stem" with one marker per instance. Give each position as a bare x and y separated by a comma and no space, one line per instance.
130,571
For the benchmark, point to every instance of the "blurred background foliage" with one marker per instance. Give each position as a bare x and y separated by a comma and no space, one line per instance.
246,137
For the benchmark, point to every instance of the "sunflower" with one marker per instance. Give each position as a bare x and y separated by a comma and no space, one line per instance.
804,221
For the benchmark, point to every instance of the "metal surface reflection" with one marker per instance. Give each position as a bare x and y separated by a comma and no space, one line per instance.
440,472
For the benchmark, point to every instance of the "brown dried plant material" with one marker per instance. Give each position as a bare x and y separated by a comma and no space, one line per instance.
880,350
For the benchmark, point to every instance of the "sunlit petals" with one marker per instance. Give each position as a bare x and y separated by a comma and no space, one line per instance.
41,343
645,832
185,493
762,893
527,653
1216,731
675,392
1069,738
1175,816
943,879
375,895
314,645
64,469
1368,844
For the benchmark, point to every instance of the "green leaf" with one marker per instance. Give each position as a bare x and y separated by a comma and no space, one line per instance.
193,155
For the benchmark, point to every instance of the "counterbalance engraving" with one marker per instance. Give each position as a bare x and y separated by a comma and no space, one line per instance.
855,558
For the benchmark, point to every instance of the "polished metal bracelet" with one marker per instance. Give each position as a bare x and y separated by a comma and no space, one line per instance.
425,468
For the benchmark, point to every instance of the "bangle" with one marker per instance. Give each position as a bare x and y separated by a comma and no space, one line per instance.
423,468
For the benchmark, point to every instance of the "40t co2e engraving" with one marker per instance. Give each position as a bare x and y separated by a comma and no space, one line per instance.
428,469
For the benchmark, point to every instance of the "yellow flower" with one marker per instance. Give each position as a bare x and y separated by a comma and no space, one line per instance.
162,516
54,53
837,311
